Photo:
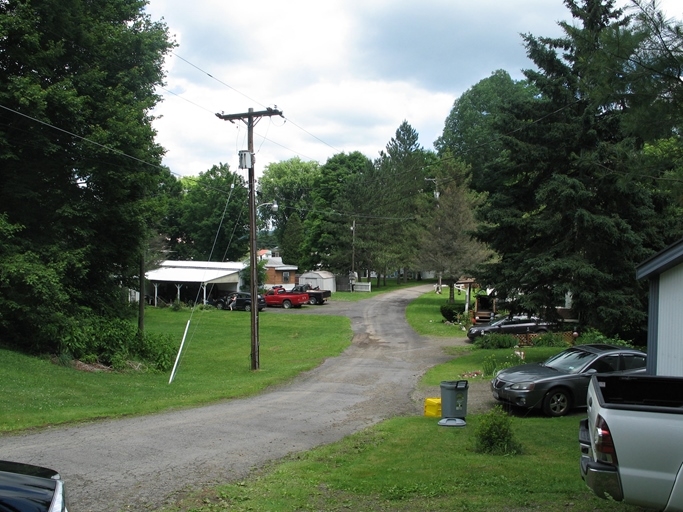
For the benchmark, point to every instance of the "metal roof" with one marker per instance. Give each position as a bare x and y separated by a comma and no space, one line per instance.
196,272
662,261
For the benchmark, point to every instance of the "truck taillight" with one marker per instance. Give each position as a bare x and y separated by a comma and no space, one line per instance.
604,445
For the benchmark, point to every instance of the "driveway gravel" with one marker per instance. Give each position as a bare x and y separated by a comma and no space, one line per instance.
145,462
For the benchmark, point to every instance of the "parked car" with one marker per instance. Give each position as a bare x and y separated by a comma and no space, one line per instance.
510,325
561,383
242,301
28,488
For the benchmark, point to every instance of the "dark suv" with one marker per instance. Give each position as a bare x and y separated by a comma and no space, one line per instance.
242,301
510,325
27,488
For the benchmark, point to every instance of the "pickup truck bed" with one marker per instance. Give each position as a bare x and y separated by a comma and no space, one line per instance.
632,441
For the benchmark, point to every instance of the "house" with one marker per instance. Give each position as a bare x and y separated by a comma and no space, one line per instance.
665,322
193,280
280,274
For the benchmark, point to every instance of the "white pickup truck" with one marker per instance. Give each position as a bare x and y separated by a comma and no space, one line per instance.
632,441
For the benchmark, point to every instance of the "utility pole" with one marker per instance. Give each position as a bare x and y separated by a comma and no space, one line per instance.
251,118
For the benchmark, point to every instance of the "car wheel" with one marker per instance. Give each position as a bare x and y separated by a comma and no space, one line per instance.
557,402
247,307
219,305
312,301
286,304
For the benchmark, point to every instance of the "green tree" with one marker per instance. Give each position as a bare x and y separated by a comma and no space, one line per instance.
211,218
469,132
563,213
289,184
447,243
327,223
402,174
77,84
291,248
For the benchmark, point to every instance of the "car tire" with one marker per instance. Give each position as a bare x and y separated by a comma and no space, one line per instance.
247,307
286,304
557,402
219,305
312,301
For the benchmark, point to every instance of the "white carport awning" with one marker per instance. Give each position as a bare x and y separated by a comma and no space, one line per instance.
205,272
193,275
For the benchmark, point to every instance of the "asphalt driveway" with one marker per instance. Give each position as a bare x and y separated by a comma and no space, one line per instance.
138,463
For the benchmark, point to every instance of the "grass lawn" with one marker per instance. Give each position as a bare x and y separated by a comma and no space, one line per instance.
215,365
412,464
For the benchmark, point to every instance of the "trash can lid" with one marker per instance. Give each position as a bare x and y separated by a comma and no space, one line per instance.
453,384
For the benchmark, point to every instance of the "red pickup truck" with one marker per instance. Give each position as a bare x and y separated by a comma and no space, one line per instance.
281,297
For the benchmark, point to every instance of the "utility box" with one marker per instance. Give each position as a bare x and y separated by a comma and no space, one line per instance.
433,407
453,402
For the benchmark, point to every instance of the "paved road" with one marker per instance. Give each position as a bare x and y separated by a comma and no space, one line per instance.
134,463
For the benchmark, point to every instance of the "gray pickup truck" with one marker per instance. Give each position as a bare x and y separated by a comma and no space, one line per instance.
632,441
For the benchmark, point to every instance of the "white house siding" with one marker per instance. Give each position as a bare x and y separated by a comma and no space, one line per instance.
670,334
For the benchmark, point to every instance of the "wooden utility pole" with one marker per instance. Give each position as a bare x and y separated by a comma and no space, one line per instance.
251,118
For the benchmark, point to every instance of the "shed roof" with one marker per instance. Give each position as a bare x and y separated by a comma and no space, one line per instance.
196,272
662,261
319,273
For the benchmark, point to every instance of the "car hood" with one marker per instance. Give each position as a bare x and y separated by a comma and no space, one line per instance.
528,372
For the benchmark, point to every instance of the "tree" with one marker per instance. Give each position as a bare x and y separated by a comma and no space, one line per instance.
292,242
211,219
77,83
447,244
402,178
469,132
290,185
564,214
245,274
327,223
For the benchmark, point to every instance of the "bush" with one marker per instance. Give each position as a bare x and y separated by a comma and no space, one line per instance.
549,339
491,364
451,311
590,336
491,341
114,342
494,434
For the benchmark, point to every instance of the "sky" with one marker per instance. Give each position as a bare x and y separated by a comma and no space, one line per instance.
344,73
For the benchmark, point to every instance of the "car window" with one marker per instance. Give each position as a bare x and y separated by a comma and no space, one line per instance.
605,364
633,361
571,360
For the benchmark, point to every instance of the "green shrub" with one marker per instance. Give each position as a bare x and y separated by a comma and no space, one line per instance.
490,341
464,319
451,311
491,364
590,336
114,342
494,434
549,339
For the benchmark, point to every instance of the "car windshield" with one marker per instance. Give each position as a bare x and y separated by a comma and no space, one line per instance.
500,321
570,361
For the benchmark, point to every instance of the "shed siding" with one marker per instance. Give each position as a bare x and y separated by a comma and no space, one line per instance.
670,335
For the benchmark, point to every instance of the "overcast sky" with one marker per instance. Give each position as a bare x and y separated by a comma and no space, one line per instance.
345,73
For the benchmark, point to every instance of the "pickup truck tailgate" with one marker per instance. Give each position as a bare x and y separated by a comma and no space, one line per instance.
648,442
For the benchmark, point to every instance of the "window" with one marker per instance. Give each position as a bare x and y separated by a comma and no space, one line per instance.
606,364
285,277
633,361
